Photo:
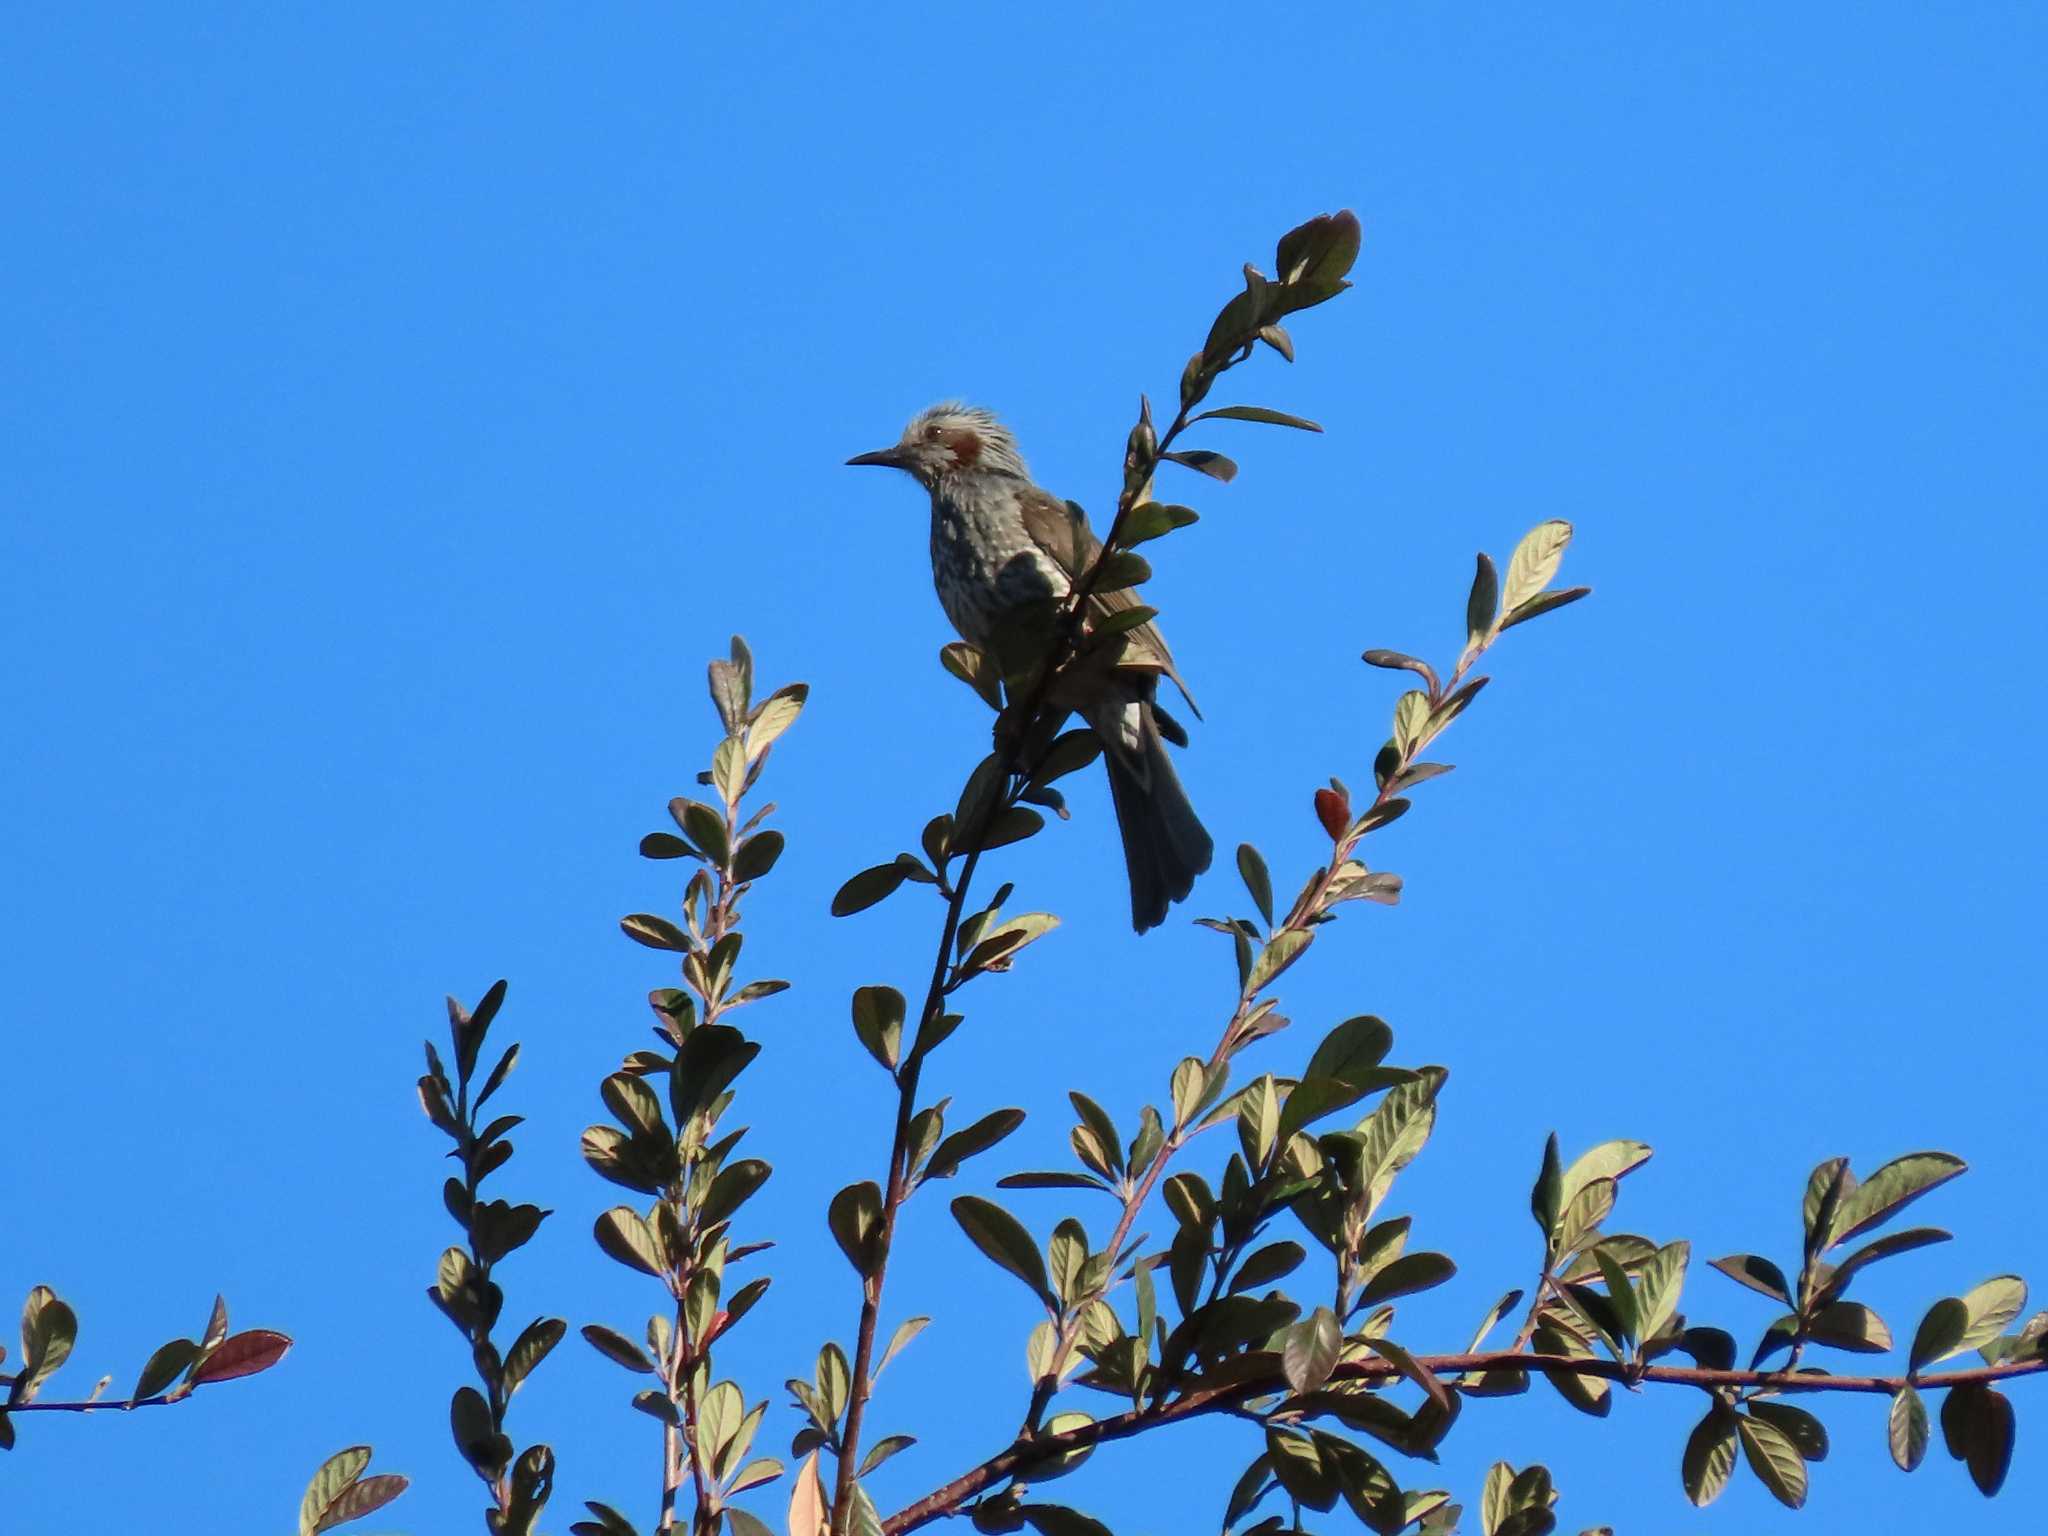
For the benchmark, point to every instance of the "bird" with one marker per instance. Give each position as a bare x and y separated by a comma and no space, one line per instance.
1005,554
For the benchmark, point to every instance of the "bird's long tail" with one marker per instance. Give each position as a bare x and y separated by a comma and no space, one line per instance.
1165,844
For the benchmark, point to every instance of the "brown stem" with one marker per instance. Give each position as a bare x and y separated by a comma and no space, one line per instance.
1028,1451
700,1519
862,1385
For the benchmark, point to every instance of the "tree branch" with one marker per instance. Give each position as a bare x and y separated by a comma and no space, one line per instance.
1028,1451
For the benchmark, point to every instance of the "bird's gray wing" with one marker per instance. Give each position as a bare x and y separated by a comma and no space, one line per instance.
1060,529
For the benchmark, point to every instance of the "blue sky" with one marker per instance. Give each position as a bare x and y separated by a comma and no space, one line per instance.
404,402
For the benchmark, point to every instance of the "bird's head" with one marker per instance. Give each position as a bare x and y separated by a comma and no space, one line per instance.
948,440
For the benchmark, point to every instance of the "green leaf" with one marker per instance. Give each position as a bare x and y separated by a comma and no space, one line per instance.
623,1233
883,1449
855,1216
1580,1221
1893,1187
1991,1307
609,1522
997,950
1310,1350
48,1330
1052,1178
657,1405
973,668
335,1474
616,1347
1300,1469
655,932
1059,1520
163,1368
634,1104
1002,1237
1256,413
1408,1274
1151,520
1609,1160
1402,662
975,1139
1850,1325
1940,1333
1663,1279
706,828
1977,1424
774,715
1774,1459
757,855
340,1493
1883,1248
1123,620
1342,1070
1546,1200
1712,1349
1319,252
1906,1428
1709,1455
1214,465
1281,951
878,1014
1121,570
1409,1367
1104,1130
1494,1506
1411,719
1758,1274
1256,880
1248,1490
1589,1394
1808,1436
1535,562
1267,1264
906,1330
1540,604
711,1056
733,1187
1621,1295
530,1348
866,888
1482,605
1492,1319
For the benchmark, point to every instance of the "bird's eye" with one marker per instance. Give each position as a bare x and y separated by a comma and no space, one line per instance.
931,432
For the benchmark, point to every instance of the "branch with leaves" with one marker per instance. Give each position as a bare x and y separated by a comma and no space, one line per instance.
1029,756
1218,1260
173,1372
683,1239
464,1291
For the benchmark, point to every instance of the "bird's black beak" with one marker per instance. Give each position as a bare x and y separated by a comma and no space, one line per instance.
892,457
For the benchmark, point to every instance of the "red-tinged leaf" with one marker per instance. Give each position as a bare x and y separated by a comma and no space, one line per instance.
363,1498
243,1354
1334,812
